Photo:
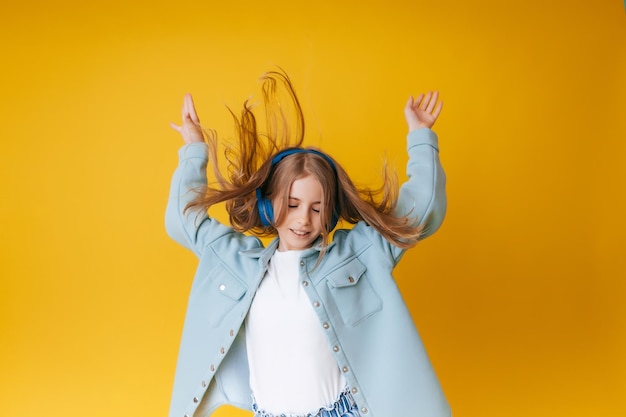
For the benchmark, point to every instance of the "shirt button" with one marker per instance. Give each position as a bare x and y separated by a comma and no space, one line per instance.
326,326
336,348
344,369
316,304
301,263
305,283
222,287
195,399
364,410
203,384
222,350
355,390
212,368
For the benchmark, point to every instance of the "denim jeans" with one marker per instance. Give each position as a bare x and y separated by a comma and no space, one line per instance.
345,406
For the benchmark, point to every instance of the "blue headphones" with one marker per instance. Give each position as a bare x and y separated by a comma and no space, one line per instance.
266,212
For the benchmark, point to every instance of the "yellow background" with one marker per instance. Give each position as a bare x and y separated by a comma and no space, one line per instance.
520,297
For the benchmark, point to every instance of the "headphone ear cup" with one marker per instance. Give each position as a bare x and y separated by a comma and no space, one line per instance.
264,205
266,211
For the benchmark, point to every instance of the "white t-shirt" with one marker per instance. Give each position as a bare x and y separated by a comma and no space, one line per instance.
292,369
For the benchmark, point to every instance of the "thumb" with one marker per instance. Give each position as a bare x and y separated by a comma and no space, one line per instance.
408,108
409,113
409,104
175,127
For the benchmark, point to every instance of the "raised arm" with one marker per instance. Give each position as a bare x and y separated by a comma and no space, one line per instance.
423,196
191,228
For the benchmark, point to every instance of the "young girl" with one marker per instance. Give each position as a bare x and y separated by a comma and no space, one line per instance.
306,327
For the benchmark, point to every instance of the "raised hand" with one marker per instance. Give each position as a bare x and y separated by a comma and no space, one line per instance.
190,130
423,110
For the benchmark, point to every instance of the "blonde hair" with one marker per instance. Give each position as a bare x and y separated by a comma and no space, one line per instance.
250,167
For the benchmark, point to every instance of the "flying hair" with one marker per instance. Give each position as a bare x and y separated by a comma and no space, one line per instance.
250,167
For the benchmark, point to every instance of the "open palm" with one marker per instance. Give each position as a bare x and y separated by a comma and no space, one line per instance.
423,110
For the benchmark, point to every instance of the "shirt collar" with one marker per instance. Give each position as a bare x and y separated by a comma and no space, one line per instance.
264,254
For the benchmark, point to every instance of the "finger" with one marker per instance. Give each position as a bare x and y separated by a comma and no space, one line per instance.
417,101
191,109
184,109
437,110
432,102
424,104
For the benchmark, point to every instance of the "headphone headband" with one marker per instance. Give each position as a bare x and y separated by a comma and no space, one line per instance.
279,157
264,205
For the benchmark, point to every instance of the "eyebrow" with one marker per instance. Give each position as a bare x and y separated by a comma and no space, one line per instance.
297,199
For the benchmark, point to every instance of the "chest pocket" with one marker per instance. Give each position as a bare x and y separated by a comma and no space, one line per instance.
217,294
350,288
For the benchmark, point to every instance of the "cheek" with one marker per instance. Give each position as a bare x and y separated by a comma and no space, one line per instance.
277,209
318,221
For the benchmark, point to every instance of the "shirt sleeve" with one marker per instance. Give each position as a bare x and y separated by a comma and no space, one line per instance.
191,228
423,196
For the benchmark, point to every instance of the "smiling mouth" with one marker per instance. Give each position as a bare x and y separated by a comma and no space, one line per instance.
300,233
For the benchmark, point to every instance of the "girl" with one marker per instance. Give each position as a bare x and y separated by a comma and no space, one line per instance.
307,327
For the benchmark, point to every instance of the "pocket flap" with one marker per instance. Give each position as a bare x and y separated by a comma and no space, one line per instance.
230,287
347,275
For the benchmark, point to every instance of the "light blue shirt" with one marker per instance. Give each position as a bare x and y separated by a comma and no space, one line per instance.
369,328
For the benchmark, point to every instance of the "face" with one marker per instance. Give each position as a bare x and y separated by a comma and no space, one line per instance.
301,225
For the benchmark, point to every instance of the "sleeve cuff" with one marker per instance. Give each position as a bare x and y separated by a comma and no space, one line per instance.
193,150
422,136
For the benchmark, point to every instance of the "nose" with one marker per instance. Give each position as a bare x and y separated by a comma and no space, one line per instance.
304,217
